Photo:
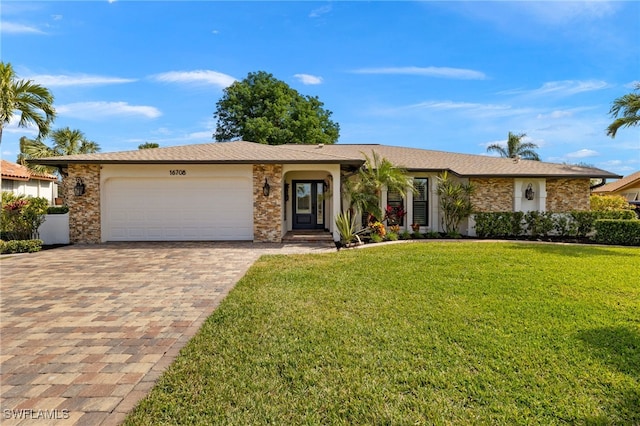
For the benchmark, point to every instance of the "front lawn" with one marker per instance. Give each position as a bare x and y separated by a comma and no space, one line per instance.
417,333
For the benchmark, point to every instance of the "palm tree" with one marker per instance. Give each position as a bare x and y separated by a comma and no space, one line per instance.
629,106
31,101
376,174
516,148
65,142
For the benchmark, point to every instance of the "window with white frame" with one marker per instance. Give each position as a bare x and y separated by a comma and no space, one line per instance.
421,201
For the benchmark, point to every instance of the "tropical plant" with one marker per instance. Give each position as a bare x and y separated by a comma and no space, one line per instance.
32,102
263,109
346,227
455,202
628,108
376,173
515,148
21,216
65,142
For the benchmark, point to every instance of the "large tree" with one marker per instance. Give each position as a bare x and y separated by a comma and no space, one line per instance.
32,102
516,148
628,106
263,109
65,142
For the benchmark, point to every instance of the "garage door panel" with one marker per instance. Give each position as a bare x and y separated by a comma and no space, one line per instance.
179,209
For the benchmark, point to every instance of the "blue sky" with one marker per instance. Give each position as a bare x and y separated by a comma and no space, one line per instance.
453,76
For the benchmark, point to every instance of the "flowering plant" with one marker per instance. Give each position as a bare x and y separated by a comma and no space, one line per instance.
394,215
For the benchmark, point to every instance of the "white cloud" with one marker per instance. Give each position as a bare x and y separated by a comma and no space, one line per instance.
13,28
56,17
583,153
632,85
12,127
196,77
441,72
77,80
316,13
308,79
564,88
555,115
98,110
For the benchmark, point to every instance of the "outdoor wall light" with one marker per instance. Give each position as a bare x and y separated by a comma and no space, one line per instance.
266,188
78,190
528,193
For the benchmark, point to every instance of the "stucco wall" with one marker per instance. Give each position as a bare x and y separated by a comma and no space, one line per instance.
84,210
564,195
267,211
492,194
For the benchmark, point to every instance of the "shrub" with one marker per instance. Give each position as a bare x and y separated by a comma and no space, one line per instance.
538,223
21,216
417,235
432,235
20,246
602,203
619,232
585,220
58,209
405,235
564,225
392,236
376,238
499,224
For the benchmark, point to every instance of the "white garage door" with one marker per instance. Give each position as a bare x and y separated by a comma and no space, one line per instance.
140,209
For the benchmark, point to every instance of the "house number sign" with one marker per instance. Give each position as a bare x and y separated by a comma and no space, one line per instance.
177,172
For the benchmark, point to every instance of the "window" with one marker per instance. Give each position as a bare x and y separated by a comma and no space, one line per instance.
395,208
421,201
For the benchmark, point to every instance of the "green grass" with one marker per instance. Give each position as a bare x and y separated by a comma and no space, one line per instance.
436,333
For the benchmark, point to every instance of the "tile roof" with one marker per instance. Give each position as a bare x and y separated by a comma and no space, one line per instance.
13,171
239,152
414,159
629,180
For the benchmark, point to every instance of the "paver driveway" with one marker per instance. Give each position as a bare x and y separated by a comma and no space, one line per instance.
87,330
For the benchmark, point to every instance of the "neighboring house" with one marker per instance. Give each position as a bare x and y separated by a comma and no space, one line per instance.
628,187
248,191
22,181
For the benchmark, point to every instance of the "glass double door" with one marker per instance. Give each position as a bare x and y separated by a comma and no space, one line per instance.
308,204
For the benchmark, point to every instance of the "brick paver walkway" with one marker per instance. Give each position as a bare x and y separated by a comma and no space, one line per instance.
86,330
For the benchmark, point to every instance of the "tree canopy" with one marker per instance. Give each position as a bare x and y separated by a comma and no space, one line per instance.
149,145
628,108
263,109
33,102
516,148
65,142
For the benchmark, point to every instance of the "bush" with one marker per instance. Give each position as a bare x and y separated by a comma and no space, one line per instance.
499,224
538,223
405,235
603,203
619,232
21,216
20,246
392,236
58,210
585,220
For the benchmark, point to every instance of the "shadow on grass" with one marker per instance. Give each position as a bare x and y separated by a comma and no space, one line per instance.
619,347
574,250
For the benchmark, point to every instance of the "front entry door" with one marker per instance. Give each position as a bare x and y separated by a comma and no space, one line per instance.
308,204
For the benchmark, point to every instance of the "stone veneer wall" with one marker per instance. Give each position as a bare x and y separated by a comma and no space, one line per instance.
492,194
84,210
564,195
267,211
